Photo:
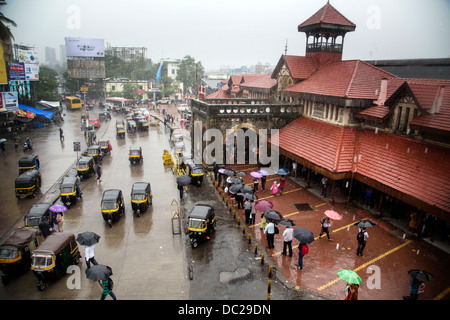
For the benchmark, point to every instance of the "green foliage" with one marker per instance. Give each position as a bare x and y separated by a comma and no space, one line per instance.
47,84
190,73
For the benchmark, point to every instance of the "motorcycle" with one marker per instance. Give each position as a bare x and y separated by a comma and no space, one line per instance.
27,146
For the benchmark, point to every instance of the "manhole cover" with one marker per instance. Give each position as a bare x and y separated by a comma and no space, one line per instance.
304,207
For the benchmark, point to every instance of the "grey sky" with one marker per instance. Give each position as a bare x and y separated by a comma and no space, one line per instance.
234,32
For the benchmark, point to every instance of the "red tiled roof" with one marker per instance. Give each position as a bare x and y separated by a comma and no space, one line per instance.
414,168
326,145
300,67
265,81
347,79
376,113
219,94
409,166
329,15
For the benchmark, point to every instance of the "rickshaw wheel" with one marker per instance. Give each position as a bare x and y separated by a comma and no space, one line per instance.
110,223
41,285
138,212
194,244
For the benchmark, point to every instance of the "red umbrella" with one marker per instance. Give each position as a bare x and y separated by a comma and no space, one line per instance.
333,215
263,205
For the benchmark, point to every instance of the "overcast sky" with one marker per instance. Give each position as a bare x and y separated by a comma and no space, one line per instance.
233,32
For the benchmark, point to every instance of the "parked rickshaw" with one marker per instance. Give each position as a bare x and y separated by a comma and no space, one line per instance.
29,162
38,213
28,184
142,125
195,171
141,197
51,259
178,137
120,122
105,146
201,223
68,190
15,252
135,155
112,206
120,131
95,152
179,149
104,116
85,167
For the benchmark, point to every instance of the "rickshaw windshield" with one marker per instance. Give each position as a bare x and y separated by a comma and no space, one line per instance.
197,171
67,189
42,261
82,166
135,152
109,205
138,196
8,252
31,222
196,223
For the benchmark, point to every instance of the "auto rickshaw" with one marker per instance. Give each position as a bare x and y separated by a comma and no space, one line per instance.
120,122
95,152
28,184
141,197
131,126
135,155
120,131
201,223
28,162
85,167
38,213
143,125
179,149
195,171
68,190
105,146
112,206
15,252
167,157
178,137
51,259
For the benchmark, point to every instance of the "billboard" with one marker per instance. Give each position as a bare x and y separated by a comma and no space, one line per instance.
84,47
86,69
29,56
31,71
16,71
9,101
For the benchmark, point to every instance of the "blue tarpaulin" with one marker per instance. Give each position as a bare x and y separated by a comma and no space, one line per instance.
36,111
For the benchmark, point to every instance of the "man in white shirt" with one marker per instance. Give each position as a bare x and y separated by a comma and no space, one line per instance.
269,231
89,256
287,236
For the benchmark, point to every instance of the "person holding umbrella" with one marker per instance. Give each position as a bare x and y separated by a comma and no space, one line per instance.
416,284
269,231
102,274
89,239
353,280
326,223
287,237
362,240
304,236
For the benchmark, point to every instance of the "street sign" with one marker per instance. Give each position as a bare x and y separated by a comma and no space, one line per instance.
84,89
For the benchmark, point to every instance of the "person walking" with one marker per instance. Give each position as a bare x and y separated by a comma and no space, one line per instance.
2,146
362,240
89,255
326,223
61,135
263,182
248,210
99,172
324,187
282,184
274,188
352,291
16,144
255,184
414,286
54,221
294,169
240,199
269,231
107,286
302,251
60,220
287,237
253,214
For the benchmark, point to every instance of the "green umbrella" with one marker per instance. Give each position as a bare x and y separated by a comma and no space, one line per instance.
349,276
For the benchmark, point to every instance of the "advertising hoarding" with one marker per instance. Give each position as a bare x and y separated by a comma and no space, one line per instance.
29,56
9,101
32,71
16,71
84,47
86,69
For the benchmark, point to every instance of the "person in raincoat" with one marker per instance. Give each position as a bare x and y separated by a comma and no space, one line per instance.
263,224
274,188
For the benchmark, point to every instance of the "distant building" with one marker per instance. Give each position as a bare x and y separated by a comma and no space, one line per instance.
50,55
170,68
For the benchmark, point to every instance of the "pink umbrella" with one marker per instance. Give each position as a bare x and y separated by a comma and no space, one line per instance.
222,170
332,215
255,174
263,205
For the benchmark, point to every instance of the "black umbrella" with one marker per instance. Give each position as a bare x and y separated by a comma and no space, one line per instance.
235,188
250,196
236,180
365,224
246,189
183,180
99,272
303,235
229,172
420,275
241,174
273,215
287,222
88,238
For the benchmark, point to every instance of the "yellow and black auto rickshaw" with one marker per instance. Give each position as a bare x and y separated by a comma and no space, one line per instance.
15,252
131,126
68,190
38,213
120,131
105,146
141,197
112,206
28,184
201,223
85,167
195,171
135,155
95,152
28,162
143,125
51,259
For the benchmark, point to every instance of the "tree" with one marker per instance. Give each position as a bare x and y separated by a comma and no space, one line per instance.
47,84
190,73
129,90
167,86
5,31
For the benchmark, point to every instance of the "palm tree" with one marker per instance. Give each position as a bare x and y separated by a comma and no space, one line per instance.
5,31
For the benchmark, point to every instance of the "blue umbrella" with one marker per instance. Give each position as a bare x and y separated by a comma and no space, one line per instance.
282,171
264,172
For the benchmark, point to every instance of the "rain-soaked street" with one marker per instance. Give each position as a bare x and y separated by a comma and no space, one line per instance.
150,262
